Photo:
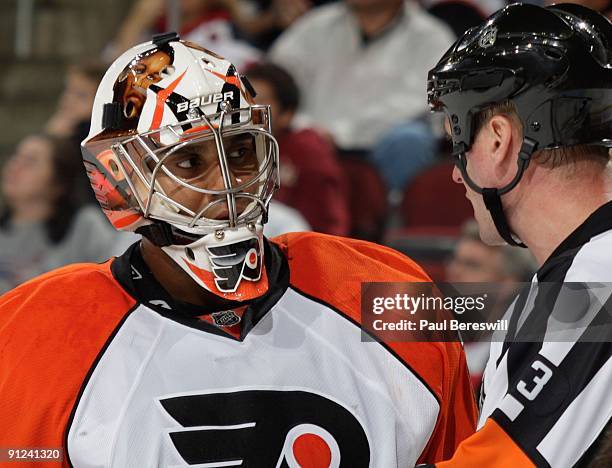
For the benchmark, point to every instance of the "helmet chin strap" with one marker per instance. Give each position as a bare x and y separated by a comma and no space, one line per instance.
492,196
160,233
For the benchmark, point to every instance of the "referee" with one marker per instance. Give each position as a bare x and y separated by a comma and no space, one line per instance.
528,100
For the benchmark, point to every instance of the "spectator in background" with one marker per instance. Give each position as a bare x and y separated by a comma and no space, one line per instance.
73,112
361,65
311,179
476,262
43,224
461,15
262,21
283,219
205,22
403,153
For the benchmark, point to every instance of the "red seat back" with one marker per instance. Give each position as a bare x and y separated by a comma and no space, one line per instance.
367,196
432,199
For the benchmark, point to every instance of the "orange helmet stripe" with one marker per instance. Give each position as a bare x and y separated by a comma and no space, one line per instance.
162,96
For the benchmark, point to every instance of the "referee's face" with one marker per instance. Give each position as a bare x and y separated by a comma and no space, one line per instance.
481,168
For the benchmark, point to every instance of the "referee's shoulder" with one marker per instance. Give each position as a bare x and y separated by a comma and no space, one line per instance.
593,261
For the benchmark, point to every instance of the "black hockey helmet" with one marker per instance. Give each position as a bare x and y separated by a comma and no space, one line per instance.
554,64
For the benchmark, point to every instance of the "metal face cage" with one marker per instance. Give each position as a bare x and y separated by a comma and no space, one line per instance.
143,158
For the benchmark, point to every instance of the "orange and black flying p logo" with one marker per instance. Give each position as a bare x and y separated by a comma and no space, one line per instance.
264,428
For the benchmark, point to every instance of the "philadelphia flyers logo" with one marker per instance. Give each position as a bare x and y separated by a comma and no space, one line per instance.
266,428
233,262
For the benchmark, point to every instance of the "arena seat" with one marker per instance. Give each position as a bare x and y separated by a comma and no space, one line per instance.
367,197
433,200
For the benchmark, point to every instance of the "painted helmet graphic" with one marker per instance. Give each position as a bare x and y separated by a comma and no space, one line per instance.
179,152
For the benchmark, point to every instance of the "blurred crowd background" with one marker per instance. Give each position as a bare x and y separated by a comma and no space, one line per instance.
360,154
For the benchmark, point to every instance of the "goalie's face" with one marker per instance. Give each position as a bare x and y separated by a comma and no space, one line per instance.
179,152
199,165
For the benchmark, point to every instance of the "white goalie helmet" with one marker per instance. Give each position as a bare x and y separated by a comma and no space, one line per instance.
179,152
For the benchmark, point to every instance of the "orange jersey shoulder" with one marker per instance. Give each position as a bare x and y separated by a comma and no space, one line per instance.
52,329
330,259
331,269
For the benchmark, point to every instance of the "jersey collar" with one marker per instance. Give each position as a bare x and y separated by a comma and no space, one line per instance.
231,319
598,222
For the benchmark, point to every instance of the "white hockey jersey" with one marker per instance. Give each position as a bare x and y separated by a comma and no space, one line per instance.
99,360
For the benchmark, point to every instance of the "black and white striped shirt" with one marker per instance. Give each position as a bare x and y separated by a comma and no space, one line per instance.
548,382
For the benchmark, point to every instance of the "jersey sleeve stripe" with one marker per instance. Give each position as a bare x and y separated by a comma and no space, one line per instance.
511,407
51,329
546,392
490,447
88,377
582,421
